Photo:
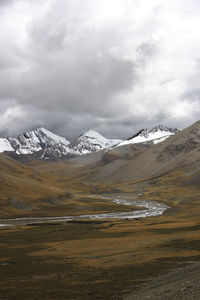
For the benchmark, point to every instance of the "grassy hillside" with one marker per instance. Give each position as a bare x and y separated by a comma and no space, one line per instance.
32,191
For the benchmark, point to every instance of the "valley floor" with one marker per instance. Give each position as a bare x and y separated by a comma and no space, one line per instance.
105,259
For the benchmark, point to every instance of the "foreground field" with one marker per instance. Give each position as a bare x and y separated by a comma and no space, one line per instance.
100,259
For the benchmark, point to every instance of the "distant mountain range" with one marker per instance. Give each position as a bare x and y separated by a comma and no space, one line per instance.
43,144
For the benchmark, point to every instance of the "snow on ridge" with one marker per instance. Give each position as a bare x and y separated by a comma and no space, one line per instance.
156,134
54,136
161,139
91,133
94,135
37,140
48,145
92,141
5,145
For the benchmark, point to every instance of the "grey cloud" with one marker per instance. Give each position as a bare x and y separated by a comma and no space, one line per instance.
147,50
73,66
5,3
84,86
47,34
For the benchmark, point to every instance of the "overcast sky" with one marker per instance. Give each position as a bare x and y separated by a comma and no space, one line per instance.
114,66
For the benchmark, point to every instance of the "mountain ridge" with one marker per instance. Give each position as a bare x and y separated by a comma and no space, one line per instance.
139,162
155,134
45,145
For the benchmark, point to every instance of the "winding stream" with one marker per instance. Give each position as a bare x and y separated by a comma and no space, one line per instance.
152,208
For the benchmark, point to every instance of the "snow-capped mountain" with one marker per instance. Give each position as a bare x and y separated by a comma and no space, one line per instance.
41,143
92,141
156,134
44,144
36,140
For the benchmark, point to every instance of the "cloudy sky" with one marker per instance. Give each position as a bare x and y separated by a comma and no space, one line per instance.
114,66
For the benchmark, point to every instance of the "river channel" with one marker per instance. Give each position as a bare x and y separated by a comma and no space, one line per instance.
152,208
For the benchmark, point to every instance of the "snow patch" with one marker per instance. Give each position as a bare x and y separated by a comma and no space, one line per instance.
5,145
55,137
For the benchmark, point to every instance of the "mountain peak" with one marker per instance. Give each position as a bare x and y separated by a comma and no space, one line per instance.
163,128
39,142
160,127
156,134
91,134
42,129
53,136
92,141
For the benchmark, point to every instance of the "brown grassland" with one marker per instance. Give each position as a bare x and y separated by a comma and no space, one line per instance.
95,259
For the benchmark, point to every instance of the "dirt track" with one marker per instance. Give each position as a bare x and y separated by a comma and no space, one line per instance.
180,284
